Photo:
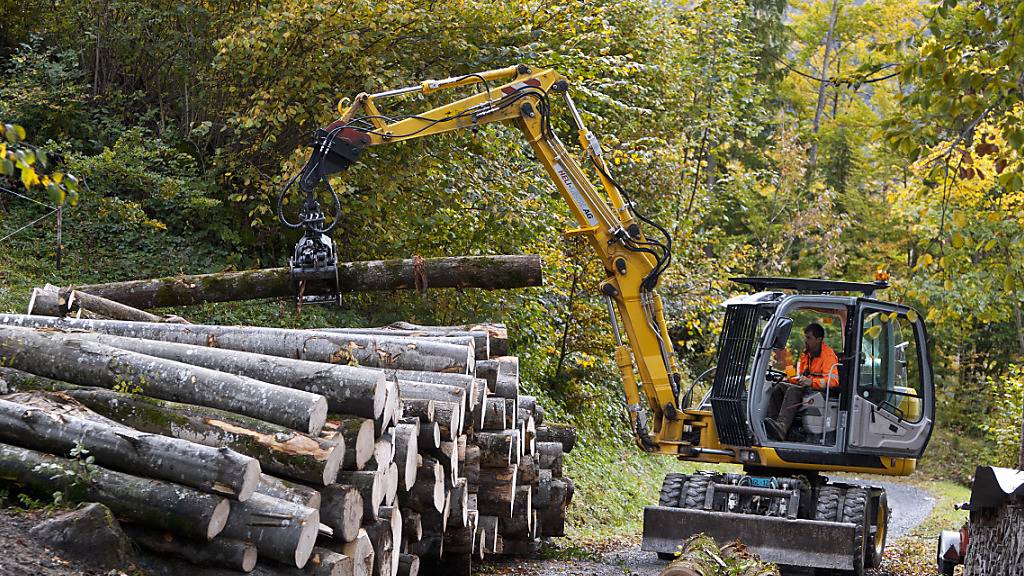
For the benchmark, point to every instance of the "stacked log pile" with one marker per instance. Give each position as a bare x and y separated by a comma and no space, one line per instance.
384,451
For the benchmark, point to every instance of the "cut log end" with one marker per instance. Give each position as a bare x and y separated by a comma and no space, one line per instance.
251,480
219,518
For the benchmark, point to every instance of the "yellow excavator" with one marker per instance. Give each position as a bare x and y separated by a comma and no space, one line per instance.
874,416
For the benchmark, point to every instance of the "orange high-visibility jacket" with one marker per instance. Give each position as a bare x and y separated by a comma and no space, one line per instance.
822,369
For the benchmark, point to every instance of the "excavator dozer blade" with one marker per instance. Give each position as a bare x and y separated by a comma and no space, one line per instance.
806,543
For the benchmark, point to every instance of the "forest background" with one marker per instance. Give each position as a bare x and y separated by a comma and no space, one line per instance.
811,138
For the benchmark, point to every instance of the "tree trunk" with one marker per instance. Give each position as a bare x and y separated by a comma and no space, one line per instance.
341,508
822,85
290,491
562,433
281,530
232,554
348,389
489,272
997,540
279,450
380,352
83,362
75,299
218,471
45,302
154,503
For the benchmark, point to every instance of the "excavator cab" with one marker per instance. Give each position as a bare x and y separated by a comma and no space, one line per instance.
869,410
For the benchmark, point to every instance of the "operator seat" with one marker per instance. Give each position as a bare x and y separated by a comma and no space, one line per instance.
820,411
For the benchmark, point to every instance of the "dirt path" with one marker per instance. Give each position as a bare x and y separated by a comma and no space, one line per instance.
910,506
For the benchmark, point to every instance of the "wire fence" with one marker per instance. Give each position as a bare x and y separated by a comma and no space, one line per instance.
53,210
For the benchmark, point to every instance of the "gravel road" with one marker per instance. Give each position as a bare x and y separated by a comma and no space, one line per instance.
910,506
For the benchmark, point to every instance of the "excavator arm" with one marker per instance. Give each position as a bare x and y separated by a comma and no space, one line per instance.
605,216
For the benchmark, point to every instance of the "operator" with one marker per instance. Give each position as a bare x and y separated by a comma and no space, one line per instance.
818,368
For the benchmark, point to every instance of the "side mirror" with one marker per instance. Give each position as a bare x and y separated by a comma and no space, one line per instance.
782,332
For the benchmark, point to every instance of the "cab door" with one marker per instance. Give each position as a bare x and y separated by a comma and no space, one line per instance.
892,406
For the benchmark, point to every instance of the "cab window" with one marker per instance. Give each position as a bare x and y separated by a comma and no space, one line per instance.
889,373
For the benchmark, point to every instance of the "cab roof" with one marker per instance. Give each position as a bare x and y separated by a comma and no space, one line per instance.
811,285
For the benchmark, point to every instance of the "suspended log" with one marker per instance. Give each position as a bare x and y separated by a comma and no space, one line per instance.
408,565
381,352
154,503
488,272
561,433
279,450
281,530
428,491
370,484
231,554
496,448
406,448
348,389
361,552
497,333
80,361
341,508
290,491
219,471
496,493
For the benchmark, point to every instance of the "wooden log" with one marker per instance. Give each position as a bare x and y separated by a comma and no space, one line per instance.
465,339
279,450
406,447
428,491
412,526
291,491
440,394
494,414
471,467
562,433
496,448
216,470
324,562
393,516
371,486
550,457
479,404
481,339
418,407
458,511
513,547
223,552
529,403
359,438
383,452
408,565
342,508
430,435
497,333
528,436
392,408
436,521
395,352
361,552
527,473
517,526
379,533
448,456
488,272
552,509
155,503
73,300
281,530
497,489
83,362
348,389
390,485
45,302
488,371
511,413
487,528
429,547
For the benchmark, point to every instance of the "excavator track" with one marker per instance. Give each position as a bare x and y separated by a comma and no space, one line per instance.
789,521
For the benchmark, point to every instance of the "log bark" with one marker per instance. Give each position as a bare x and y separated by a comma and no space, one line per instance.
436,392
281,530
348,389
379,533
341,508
536,410
232,554
289,491
494,414
279,450
406,448
324,562
562,433
418,407
393,516
219,471
361,552
359,439
370,484
511,413
458,511
481,339
428,492
496,448
408,565
488,371
464,339
471,467
997,540
519,524
487,529
488,272
45,302
154,503
528,471
497,333
550,457
394,352
83,362
497,489
412,526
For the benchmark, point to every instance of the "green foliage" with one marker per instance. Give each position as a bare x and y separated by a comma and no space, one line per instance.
1003,426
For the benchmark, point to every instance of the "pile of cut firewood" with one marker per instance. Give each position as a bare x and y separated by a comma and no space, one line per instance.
342,451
